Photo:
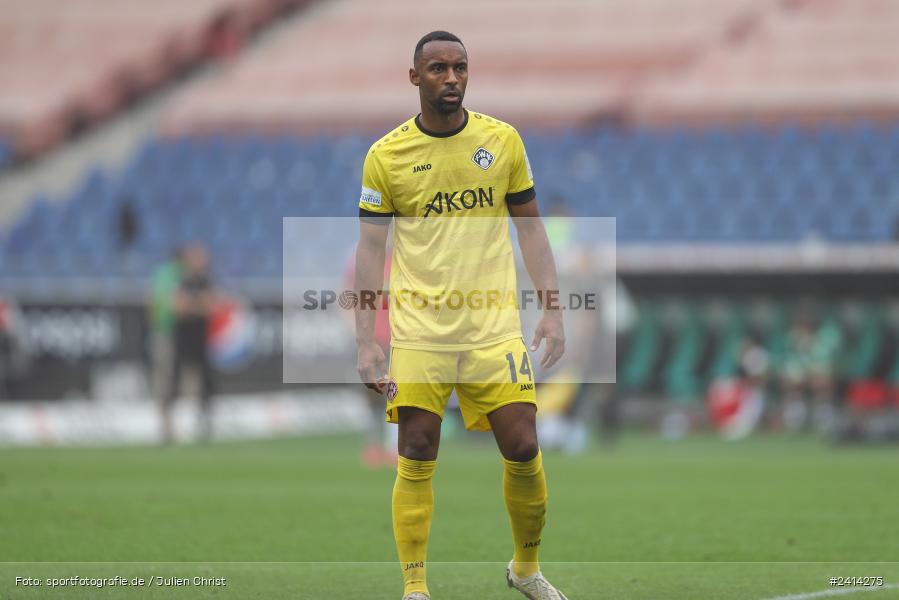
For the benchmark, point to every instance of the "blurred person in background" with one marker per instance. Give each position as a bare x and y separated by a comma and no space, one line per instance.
128,227
165,282
570,407
564,398
194,302
127,231
807,377
12,358
736,404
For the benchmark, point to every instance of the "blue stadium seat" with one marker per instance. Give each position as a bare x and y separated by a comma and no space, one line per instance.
749,184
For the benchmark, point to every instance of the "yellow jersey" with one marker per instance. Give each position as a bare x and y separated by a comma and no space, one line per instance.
452,278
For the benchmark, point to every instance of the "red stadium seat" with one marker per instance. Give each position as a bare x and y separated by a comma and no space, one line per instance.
567,61
62,60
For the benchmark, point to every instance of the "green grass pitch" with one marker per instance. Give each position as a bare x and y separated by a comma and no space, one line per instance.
301,519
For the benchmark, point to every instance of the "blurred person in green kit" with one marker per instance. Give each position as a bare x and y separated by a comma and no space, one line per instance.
165,284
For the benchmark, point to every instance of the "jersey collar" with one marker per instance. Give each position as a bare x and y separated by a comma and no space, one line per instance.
441,134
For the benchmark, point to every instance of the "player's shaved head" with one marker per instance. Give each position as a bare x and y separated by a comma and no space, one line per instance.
434,36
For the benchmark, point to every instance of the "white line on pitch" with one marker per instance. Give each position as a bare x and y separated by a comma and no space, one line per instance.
836,592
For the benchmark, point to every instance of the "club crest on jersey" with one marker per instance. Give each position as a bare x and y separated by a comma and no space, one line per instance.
483,158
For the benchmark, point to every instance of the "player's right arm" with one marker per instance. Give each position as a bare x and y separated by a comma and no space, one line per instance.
370,253
375,212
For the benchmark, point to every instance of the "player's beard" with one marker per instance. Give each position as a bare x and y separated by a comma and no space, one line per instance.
448,108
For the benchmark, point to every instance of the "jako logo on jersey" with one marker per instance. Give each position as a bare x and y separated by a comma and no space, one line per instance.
483,158
232,331
466,199
420,168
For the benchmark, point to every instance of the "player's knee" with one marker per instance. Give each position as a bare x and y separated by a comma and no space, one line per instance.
522,450
418,446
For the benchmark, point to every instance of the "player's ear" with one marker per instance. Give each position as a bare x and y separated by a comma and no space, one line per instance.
413,76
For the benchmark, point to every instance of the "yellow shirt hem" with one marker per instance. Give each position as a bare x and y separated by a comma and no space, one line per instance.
454,347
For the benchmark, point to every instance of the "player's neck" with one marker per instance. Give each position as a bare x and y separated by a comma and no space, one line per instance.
437,122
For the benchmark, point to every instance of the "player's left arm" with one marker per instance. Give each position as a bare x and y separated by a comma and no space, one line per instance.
541,266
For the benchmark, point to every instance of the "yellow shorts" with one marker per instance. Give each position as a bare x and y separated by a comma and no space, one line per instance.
484,379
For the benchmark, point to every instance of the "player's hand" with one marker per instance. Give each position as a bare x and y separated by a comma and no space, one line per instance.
550,328
372,366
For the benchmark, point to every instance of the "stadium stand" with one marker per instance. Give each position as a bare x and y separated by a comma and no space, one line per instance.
649,62
827,60
568,62
58,71
835,184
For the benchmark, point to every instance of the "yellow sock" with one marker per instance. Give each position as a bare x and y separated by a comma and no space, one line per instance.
413,506
524,488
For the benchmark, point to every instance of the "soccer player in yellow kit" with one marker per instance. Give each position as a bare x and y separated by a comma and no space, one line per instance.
434,176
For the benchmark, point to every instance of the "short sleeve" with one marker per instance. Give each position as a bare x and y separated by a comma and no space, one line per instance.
375,198
521,180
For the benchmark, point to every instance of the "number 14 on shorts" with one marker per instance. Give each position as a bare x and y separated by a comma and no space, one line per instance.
524,369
